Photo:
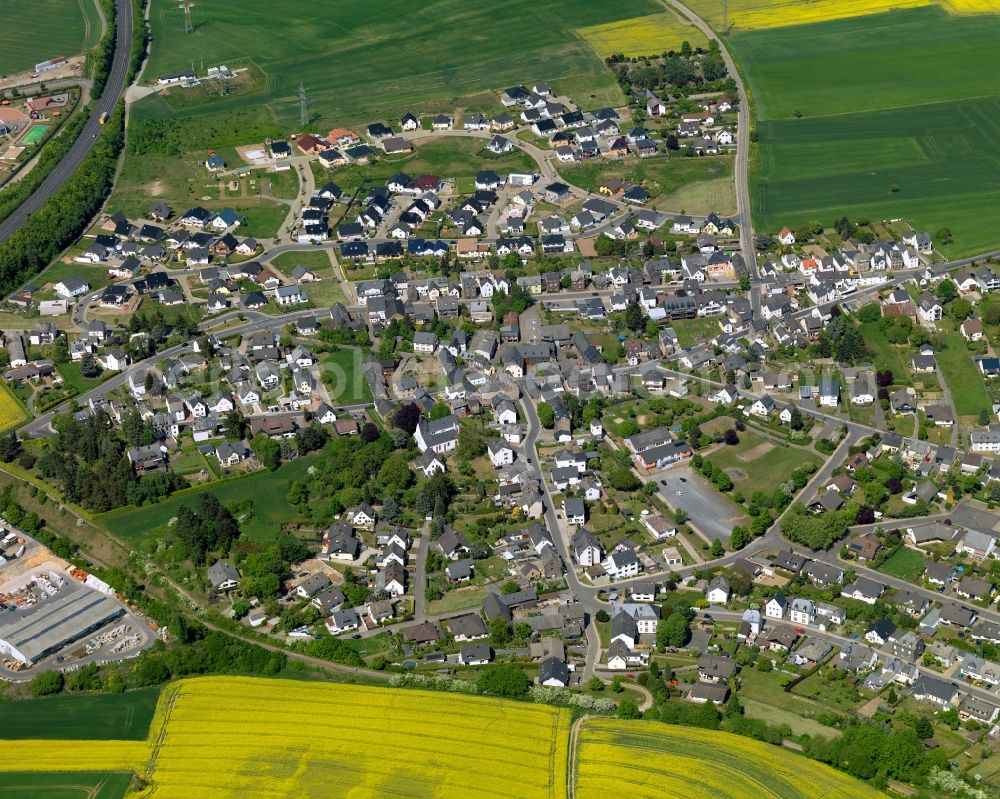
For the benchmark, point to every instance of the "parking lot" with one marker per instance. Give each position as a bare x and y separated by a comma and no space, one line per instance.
707,510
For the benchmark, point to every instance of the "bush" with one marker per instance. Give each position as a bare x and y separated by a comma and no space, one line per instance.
47,683
503,680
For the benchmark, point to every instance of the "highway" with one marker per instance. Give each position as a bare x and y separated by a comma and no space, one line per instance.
82,146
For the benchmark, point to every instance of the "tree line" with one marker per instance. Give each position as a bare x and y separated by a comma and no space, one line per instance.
52,153
65,216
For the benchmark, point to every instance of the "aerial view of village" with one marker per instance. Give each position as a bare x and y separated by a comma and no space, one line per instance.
537,399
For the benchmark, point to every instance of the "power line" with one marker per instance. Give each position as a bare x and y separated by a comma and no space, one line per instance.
303,106
186,6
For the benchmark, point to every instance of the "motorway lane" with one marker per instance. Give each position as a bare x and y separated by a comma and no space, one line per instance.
87,138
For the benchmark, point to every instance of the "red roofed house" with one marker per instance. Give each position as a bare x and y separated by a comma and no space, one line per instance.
311,145
343,137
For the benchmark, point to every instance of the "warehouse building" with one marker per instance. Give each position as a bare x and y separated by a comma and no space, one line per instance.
32,633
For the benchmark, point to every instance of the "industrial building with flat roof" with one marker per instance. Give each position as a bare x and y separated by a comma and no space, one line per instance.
32,633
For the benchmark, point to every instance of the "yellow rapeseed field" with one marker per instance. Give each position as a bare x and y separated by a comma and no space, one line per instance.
762,14
972,6
639,36
11,411
32,755
244,738
251,738
657,761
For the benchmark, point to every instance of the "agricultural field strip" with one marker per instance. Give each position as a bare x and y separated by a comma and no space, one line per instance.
766,14
714,782
81,755
602,742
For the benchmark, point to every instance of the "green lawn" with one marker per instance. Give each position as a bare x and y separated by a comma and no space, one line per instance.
905,563
775,715
885,355
372,645
64,785
764,465
695,331
961,373
144,526
38,39
766,688
71,377
341,372
457,599
81,717
363,63
843,120
316,260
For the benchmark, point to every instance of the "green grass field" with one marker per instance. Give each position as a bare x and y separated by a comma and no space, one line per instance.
694,331
905,563
71,377
38,39
316,260
64,785
104,717
182,182
661,176
884,132
341,372
961,374
885,355
384,59
144,526
764,465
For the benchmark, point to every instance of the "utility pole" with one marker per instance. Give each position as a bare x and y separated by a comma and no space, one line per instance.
186,6
725,15
303,106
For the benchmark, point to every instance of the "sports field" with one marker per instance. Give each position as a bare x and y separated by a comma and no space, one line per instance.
64,785
653,760
757,464
848,126
12,412
36,134
363,62
85,717
46,29
649,35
